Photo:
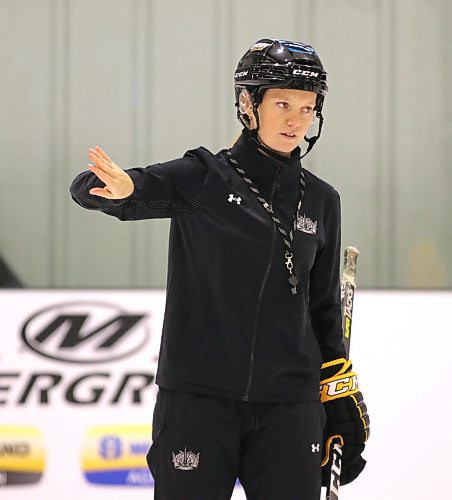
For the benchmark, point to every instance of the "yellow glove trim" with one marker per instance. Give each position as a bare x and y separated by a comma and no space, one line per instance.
328,446
339,361
363,420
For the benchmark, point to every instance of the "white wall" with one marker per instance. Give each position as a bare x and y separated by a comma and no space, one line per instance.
401,344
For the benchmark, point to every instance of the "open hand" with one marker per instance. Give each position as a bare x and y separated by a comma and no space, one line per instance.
118,184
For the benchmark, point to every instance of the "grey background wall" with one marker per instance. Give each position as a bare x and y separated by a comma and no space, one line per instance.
149,79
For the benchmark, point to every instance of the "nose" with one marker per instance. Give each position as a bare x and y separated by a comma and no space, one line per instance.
293,120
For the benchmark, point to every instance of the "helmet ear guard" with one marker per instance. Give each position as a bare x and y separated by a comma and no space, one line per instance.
247,104
245,108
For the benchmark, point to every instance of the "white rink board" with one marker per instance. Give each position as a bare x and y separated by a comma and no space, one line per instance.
400,347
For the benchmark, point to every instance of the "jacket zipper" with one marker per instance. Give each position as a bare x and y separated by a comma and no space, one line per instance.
275,185
261,291
256,323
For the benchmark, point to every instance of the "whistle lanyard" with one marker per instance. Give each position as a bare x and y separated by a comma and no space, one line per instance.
287,238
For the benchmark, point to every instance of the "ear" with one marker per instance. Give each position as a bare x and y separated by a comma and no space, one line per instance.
246,109
245,102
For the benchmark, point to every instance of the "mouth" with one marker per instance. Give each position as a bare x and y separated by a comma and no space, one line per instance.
289,135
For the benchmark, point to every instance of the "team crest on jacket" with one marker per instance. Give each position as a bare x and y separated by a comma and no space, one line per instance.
185,460
306,225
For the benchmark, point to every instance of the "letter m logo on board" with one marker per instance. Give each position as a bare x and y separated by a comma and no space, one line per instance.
85,332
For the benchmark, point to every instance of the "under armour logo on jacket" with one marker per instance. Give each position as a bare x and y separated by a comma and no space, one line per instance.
231,199
315,447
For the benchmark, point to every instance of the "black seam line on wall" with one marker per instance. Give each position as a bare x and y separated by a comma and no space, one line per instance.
313,20
52,145
133,127
378,162
58,141
228,42
446,126
217,76
446,120
392,120
222,65
148,14
297,16
66,132
311,159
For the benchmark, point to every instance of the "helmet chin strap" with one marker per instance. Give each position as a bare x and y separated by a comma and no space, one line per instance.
276,155
312,140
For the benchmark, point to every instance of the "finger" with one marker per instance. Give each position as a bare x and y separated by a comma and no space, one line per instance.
101,192
103,156
102,153
106,165
102,175
101,163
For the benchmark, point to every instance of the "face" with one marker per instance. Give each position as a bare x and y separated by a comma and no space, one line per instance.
284,118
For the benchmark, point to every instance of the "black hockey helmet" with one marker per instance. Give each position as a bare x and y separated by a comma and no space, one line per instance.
273,63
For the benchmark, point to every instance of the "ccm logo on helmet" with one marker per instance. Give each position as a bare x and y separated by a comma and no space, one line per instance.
304,72
241,73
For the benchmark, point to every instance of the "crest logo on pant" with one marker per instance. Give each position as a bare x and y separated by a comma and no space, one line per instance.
186,460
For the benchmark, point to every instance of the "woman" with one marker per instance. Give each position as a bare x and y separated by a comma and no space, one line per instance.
253,298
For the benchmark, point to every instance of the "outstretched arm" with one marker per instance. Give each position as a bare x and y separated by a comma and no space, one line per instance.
162,190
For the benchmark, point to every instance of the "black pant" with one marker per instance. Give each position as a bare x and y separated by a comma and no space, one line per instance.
201,444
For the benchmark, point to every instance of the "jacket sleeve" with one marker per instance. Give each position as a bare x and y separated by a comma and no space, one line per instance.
169,189
324,289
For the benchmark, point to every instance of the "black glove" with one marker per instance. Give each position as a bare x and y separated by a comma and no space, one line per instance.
346,419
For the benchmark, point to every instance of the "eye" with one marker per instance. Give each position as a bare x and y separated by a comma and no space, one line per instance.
308,109
282,104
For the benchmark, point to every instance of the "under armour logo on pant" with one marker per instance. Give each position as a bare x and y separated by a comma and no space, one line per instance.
231,199
315,448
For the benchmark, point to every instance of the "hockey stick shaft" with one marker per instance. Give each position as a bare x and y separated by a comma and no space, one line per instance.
348,284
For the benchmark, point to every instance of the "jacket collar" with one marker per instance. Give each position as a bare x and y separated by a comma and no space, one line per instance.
263,169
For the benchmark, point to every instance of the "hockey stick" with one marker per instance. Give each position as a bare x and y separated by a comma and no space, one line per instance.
348,285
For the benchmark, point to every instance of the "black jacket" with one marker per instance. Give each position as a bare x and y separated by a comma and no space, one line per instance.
232,327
